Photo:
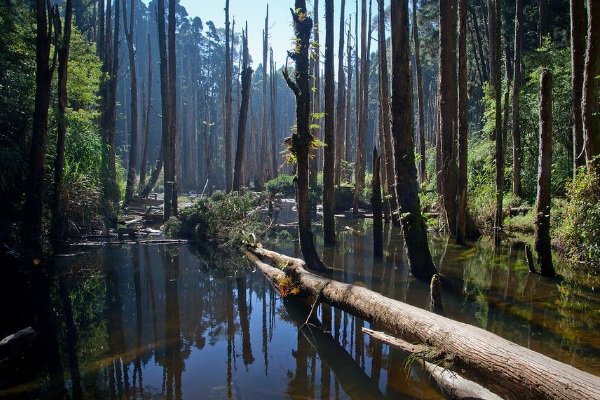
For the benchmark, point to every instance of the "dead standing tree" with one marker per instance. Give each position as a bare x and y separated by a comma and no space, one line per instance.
241,138
301,140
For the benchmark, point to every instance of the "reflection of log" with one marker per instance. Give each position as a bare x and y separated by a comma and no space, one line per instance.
453,385
504,367
12,344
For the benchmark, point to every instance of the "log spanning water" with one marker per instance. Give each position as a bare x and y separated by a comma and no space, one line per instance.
512,371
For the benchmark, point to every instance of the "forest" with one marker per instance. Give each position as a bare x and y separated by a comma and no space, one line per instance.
403,203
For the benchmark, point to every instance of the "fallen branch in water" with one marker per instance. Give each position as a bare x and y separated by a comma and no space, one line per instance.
502,366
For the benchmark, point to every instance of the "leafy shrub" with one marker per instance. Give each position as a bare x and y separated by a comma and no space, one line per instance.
227,218
282,185
579,229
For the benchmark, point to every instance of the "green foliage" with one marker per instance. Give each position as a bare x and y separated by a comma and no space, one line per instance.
229,219
283,185
579,228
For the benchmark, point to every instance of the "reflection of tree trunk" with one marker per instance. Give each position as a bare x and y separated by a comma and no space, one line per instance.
230,338
114,326
244,321
137,284
71,338
173,357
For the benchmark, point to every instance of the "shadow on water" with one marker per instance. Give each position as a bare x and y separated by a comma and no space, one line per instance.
174,322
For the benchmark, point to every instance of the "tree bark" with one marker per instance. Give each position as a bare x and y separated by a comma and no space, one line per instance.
543,27
329,159
146,128
377,206
129,29
58,217
301,139
543,246
340,124
420,103
349,119
171,139
266,165
316,95
591,82
360,159
505,368
228,100
241,136
413,225
274,144
578,27
516,89
463,126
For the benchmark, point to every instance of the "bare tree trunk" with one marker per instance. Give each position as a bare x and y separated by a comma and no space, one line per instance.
146,129
542,21
591,106
578,24
329,159
340,125
241,136
274,144
316,93
518,76
495,72
484,68
301,139
58,217
228,100
170,147
384,104
543,200
377,206
348,139
361,140
463,125
129,29
265,164
413,225
448,110
421,112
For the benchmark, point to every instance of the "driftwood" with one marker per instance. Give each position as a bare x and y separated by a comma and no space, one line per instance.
450,383
12,344
506,368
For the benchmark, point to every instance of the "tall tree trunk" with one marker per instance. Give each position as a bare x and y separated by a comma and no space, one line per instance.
243,118
578,24
448,110
170,148
32,222
421,111
413,225
463,125
146,128
349,119
591,107
484,68
495,43
316,93
101,29
329,159
58,217
543,200
265,167
361,140
543,27
129,29
517,78
228,100
340,124
377,206
301,139
384,104
272,116
165,98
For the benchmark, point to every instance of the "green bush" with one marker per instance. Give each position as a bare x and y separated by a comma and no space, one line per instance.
578,231
283,185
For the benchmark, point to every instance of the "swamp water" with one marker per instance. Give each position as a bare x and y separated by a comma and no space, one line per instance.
164,321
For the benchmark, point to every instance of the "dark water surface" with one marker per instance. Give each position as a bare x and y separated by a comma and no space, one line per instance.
164,321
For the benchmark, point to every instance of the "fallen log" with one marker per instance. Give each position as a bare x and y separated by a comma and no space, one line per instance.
506,368
450,383
12,344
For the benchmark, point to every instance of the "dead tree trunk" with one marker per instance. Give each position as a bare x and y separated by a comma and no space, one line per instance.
241,136
463,125
129,28
578,24
421,111
301,139
517,77
58,217
543,246
264,137
329,157
591,83
448,110
272,115
228,100
377,206
340,124
413,225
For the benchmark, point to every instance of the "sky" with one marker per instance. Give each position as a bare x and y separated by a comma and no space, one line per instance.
280,21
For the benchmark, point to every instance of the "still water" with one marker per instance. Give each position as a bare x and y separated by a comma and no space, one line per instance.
166,321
